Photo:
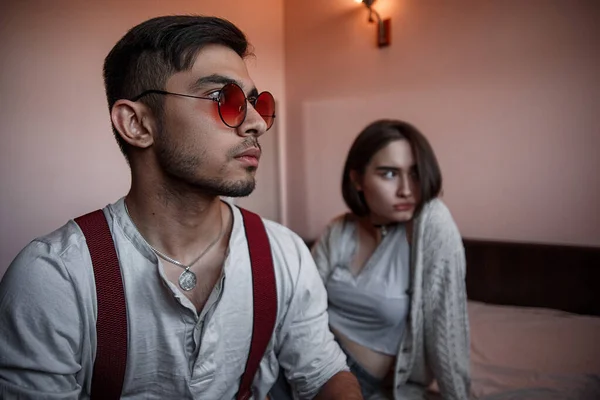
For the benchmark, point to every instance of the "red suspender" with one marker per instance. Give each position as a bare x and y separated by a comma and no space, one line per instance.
264,294
111,327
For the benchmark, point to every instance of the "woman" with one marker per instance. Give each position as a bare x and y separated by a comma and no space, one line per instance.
394,270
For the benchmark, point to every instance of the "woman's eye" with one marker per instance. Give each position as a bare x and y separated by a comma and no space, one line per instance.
389,174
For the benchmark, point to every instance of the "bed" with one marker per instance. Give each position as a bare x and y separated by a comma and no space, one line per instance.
534,315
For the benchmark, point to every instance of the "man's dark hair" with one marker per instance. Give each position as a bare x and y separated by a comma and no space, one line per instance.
375,137
152,51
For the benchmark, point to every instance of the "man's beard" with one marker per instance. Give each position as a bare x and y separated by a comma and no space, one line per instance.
183,168
241,188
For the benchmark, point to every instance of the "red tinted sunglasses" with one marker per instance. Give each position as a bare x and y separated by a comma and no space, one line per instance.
232,103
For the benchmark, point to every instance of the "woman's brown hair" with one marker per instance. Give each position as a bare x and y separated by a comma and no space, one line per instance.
375,137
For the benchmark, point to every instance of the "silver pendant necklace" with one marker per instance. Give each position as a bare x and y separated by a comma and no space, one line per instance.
187,279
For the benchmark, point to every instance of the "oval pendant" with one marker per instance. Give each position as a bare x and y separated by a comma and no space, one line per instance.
187,280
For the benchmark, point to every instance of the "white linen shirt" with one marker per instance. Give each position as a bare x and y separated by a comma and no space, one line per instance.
48,311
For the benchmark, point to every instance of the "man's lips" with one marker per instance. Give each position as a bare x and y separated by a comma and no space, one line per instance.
251,152
249,156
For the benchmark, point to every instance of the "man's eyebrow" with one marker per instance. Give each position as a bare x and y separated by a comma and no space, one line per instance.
212,79
253,92
219,80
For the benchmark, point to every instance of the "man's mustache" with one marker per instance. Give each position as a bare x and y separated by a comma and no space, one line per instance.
246,144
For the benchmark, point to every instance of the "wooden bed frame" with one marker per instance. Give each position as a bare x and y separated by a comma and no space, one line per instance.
534,275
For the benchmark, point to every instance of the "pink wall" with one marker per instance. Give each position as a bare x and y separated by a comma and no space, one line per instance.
58,158
508,92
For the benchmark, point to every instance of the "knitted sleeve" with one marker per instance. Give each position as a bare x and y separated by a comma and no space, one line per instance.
446,324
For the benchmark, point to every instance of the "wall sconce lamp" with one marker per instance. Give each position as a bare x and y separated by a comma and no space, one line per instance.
383,26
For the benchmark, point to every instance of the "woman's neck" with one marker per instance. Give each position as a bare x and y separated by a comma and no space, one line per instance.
374,227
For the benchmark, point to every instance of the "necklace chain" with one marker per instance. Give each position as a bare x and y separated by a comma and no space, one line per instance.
172,260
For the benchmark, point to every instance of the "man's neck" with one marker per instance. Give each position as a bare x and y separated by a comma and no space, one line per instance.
180,226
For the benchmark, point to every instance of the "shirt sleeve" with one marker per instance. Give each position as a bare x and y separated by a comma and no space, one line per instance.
306,349
322,251
40,328
321,256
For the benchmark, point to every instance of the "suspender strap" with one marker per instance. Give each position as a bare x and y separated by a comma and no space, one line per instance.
111,326
265,297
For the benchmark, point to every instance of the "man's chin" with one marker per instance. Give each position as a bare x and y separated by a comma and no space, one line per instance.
240,188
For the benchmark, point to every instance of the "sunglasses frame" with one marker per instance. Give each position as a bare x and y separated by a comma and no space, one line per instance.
252,100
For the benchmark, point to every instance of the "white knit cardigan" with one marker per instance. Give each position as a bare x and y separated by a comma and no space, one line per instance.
436,342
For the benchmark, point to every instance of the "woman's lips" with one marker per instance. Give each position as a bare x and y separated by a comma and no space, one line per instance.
404,207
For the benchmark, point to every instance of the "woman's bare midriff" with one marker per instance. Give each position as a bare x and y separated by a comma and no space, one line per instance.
377,364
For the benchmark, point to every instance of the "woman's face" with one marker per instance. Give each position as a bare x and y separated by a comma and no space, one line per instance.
390,183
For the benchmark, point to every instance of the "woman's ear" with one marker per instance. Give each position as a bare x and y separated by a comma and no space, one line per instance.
134,121
355,177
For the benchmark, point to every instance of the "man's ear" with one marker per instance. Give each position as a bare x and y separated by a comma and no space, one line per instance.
134,121
355,177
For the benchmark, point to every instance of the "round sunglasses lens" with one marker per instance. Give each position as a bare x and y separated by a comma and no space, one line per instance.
265,106
232,105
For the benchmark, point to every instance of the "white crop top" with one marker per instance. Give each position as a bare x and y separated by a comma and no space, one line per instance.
371,308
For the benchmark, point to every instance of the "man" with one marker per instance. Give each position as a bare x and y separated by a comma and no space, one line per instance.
178,92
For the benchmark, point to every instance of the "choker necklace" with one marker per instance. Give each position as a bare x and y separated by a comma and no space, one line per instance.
382,228
187,279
